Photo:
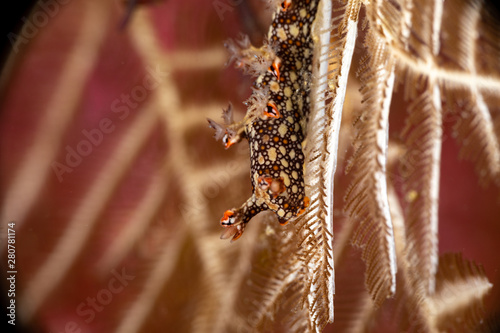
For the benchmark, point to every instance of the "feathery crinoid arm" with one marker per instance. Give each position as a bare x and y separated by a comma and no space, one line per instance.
334,53
472,45
439,74
423,136
366,197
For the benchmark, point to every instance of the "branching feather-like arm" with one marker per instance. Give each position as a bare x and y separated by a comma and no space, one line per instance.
321,157
422,161
366,198
474,125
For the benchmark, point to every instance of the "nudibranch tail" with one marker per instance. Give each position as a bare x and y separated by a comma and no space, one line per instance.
276,118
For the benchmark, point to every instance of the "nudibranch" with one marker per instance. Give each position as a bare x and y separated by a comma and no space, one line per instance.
276,120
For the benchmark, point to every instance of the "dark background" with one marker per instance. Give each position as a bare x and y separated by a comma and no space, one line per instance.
10,21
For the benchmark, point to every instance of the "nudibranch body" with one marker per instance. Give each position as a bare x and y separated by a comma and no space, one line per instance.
276,120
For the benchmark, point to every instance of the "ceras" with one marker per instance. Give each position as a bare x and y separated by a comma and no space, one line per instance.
276,119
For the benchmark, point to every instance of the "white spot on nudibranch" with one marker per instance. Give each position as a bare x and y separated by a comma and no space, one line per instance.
282,129
275,87
280,32
294,30
271,153
286,179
